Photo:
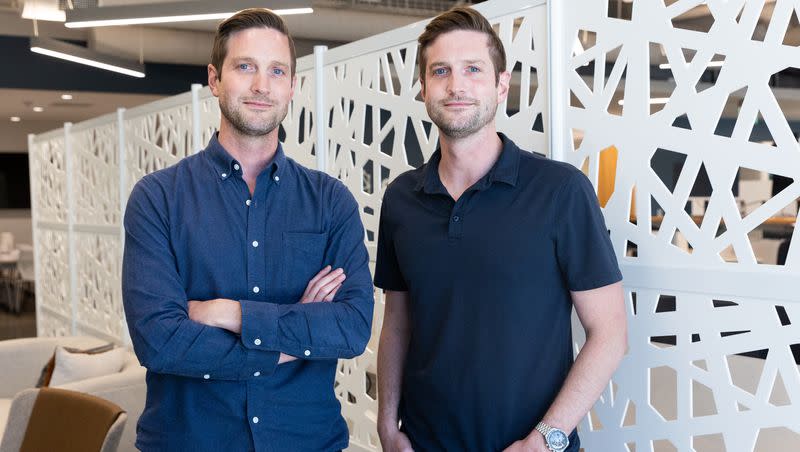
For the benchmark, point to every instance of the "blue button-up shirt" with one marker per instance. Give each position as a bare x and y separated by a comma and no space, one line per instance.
194,232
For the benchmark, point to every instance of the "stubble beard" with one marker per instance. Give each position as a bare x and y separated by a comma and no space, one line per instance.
235,115
461,127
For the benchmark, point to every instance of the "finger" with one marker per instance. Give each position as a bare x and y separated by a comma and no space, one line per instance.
314,289
325,270
325,290
330,296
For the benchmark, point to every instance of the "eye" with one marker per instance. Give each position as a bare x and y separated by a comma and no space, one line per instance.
440,71
278,71
473,69
243,66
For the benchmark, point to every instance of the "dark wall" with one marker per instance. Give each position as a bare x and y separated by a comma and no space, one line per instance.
24,69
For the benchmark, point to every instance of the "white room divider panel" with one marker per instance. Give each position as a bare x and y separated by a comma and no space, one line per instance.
378,128
96,238
693,309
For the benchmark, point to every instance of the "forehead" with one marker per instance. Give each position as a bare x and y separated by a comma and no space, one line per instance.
259,44
458,45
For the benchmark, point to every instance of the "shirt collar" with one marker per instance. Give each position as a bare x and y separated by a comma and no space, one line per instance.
225,165
505,169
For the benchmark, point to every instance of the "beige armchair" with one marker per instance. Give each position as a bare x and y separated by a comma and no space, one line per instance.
23,360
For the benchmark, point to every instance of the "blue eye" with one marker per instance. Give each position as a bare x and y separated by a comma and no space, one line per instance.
440,71
243,66
278,71
473,69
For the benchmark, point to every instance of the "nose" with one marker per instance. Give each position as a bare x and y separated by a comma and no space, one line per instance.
260,83
456,83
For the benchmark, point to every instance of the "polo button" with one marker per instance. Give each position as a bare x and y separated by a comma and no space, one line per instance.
456,218
256,289
255,243
277,179
236,166
256,374
247,202
307,352
257,341
255,419
206,376
224,175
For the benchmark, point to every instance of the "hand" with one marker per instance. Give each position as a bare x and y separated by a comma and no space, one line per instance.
219,313
324,285
396,441
533,443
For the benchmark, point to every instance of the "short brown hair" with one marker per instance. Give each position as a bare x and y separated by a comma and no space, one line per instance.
461,18
244,19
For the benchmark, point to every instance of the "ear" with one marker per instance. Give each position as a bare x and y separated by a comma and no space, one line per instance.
213,80
294,84
422,88
503,81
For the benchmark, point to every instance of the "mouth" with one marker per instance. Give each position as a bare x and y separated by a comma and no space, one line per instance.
458,104
257,104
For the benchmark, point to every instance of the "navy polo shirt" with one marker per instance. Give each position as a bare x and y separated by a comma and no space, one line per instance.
489,279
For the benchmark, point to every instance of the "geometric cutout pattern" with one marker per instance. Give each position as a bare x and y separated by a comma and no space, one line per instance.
99,295
96,182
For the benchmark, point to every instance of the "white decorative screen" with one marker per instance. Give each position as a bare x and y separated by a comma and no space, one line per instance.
714,323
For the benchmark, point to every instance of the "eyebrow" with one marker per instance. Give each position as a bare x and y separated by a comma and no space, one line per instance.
442,63
253,60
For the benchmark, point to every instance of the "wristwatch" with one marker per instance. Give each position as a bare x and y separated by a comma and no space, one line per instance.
555,438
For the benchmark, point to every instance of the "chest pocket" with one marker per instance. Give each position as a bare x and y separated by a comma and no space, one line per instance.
303,254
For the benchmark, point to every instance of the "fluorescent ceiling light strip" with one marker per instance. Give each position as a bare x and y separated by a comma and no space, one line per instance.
653,101
710,64
172,19
167,12
82,55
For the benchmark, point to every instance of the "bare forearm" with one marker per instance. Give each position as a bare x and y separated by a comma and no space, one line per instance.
591,372
392,351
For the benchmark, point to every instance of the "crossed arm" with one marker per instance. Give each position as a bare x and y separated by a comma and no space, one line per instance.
602,314
174,335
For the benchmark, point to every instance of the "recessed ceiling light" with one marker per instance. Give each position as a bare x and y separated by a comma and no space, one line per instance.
38,109
66,96
15,119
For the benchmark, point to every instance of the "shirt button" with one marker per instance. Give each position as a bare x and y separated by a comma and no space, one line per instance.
256,374
255,243
256,289
456,218
206,376
247,202
236,166
277,179
224,175
307,352
257,341
255,419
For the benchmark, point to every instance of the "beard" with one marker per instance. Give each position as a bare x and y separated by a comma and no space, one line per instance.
257,124
460,124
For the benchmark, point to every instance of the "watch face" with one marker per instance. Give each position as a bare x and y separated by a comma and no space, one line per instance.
557,439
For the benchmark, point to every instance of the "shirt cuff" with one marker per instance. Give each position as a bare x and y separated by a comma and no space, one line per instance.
259,337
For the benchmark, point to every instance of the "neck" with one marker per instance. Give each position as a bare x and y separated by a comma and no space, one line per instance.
252,153
466,160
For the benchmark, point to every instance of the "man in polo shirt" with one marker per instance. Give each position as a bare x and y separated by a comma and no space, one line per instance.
239,329
483,252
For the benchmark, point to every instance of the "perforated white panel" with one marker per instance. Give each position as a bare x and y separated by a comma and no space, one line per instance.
96,180
683,384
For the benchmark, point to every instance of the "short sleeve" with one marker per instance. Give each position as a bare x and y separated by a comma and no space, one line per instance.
387,270
584,251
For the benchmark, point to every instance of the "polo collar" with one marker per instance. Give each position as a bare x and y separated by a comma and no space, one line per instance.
505,169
